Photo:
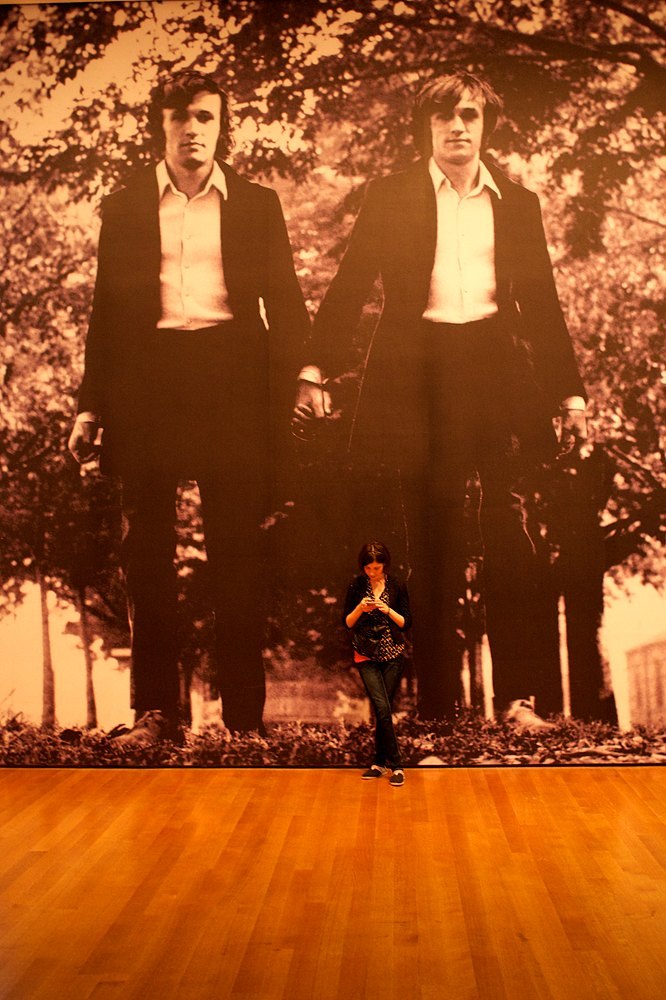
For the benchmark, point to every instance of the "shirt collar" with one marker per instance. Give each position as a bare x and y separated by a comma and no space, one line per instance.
486,179
216,180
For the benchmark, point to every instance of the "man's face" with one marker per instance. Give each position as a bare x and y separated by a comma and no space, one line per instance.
457,134
191,133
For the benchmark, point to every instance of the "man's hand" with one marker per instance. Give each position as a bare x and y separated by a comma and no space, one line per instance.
82,440
313,403
574,429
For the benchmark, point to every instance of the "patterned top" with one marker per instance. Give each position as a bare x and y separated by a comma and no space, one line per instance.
388,649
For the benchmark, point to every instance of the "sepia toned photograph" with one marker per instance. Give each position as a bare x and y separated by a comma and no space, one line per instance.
332,384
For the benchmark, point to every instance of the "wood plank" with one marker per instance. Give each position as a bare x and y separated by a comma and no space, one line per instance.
547,884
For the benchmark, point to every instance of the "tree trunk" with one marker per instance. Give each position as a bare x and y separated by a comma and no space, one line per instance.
48,683
91,707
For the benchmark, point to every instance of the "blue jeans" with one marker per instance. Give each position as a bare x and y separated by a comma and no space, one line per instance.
380,678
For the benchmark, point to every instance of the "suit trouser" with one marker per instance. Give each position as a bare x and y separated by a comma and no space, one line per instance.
195,418
236,573
469,390
578,493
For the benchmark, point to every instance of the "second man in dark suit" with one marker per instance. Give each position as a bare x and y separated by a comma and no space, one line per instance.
469,363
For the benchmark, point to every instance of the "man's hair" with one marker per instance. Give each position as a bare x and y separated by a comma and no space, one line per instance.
442,94
374,552
178,92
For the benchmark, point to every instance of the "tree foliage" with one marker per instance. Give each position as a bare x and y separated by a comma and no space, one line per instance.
586,82
56,526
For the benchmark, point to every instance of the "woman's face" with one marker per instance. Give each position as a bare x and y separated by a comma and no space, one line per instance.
374,571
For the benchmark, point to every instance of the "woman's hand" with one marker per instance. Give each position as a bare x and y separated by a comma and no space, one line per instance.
366,604
373,604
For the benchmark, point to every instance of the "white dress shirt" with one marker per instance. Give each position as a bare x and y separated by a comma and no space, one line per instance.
462,285
193,292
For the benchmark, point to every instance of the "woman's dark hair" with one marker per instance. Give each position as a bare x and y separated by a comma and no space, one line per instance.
374,552
442,94
178,92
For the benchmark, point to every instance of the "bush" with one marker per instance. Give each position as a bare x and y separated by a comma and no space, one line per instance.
470,742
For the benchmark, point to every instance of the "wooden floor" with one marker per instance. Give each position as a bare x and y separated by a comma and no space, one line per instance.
308,885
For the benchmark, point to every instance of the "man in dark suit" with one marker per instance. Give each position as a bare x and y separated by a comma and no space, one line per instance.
470,361
196,328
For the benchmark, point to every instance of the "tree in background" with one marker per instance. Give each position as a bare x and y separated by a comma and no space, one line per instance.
322,93
55,526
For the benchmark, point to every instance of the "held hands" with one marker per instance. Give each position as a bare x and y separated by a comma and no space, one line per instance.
313,404
574,430
83,439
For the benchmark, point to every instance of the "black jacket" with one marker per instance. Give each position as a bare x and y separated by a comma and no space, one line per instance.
258,265
398,600
394,238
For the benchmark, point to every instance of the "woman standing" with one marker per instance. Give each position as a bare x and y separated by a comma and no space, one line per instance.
377,613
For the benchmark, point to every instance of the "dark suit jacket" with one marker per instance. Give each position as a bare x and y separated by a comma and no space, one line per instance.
120,346
394,238
398,600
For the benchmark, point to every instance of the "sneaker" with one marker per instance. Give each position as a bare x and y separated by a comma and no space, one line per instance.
521,715
149,729
118,730
397,779
375,771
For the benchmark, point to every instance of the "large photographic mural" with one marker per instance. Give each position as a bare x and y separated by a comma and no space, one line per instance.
535,571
